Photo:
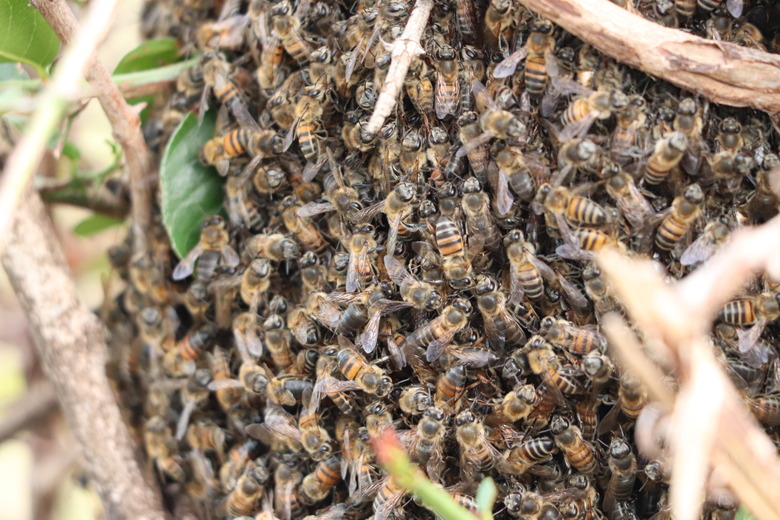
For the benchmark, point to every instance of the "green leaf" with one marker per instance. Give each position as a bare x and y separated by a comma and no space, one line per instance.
94,224
486,497
744,514
150,55
190,190
25,36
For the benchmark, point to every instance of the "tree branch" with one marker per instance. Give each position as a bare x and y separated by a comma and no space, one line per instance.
405,49
723,72
71,345
33,405
124,121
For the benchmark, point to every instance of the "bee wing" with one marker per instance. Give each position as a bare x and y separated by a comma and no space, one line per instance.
312,169
281,425
397,272
238,107
545,270
481,94
184,418
435,466
367,214
397,354
504,199
495,335
368,338
516,291
343,298
474,357
315,208
187,265
229,256
436,347
508,65
753,352
387,508
327,314
392,235
700,250
735,7
355,260
289,137
572,293
446,102
224,384
351,63
578,129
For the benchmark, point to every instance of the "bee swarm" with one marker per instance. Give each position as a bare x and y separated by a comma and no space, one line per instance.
435,276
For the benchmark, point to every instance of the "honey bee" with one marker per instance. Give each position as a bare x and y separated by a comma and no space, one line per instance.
287,499
260,144
476,452
449,241
668,153
623,468
476,207
685,8
194,394
470,134
242,210
585,110
493,119
369,378
577,210
303,328
689,121
521,171
501,327
361,246
685,209
447,81
577,340
249,488
212,249
277,340
314,439
387,500
398,206
533,451
499,18
539,52
466,17
632,396
159,446
285,26
255,281
450,386
288,390
421,295
517,404
317,484
576,450
227,397
414,400
233,467
634,207
281,105
215,75
756,311
275,246
439,332
206,436
268,179
598,368
180,360
532,505
766,409
306,128
306,233
626,136
420,89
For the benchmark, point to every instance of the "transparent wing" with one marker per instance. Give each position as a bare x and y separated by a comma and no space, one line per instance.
508,65
504,199
367,214
315,208
700,250
446,102
224,384
184,419
229,256
436,347
392,235
397,272
368,338
186,267
735,7
572,293
578,129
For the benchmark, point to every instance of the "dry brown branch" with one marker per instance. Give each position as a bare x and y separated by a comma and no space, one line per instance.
709,427
125,122
405,49
70,343
31,407
723,72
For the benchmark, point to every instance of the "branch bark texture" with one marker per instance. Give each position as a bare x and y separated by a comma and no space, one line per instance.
70,342
125,122
723,72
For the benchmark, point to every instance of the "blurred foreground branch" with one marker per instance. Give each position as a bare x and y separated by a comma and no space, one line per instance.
39,400
70,343
125,122
709,427
723,72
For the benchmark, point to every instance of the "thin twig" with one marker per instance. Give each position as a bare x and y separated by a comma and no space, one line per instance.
405,49
723,72
72,348
24,159
36,403
125,122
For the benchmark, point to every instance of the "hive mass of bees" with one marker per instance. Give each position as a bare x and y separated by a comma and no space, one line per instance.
437,275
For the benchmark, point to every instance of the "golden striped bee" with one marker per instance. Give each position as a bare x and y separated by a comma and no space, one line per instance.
538,53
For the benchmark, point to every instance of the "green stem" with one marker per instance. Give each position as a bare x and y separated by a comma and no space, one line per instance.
434,498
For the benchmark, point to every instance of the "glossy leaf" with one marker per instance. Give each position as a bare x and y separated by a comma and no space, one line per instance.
744,514
190,190
150,54
94,224
25,36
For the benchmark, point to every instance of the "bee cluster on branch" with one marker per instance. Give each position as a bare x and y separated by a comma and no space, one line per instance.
437,275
